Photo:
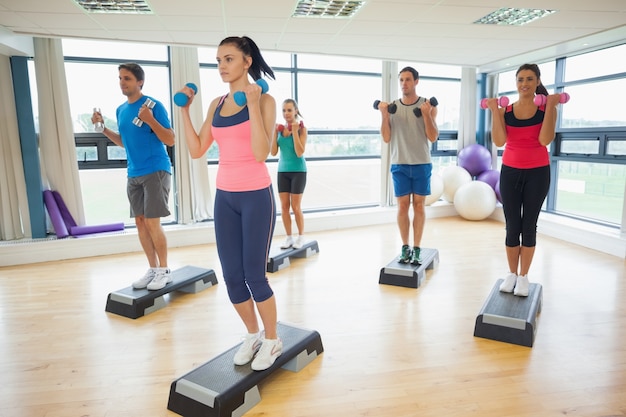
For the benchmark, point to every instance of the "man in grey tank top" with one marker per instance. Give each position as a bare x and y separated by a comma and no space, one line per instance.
409,135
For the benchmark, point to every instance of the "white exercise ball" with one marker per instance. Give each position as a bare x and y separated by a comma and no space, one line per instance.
436,189
454,176
475,200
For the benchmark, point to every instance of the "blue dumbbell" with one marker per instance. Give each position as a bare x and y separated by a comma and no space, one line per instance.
181,99
240,96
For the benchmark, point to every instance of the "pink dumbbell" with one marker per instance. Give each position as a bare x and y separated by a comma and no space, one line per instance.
502,102
541,100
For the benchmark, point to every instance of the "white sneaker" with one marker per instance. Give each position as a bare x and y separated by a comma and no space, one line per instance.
509,282
288,243
162,277
270,350
250,346
521,287
145,280
299,242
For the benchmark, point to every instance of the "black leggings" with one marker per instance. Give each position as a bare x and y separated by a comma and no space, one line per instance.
523,192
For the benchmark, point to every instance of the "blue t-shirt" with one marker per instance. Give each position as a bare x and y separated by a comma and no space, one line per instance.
145,153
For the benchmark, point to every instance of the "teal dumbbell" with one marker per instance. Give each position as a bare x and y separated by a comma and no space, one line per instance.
181,99
240,96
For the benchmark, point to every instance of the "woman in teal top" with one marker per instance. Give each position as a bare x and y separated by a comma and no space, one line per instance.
290,138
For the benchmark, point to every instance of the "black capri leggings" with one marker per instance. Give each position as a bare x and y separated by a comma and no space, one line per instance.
523,192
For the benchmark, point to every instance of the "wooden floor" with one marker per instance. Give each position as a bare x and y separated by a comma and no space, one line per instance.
388,351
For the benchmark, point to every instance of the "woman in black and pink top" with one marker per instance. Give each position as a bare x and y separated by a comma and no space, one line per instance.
527,130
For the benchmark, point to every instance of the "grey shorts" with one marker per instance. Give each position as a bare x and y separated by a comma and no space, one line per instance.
149,194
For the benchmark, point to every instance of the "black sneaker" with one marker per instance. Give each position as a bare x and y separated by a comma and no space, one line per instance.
416,258
405,255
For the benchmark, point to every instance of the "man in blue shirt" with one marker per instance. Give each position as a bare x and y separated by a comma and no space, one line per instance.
145,132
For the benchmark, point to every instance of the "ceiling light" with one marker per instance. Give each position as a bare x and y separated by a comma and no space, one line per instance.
514,17
115,6
326,8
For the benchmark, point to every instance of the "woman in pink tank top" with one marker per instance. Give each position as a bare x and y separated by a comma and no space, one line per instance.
245,210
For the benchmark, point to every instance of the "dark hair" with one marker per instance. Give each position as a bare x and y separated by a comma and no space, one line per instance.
135,69
534,68
292,101
249,48
416,75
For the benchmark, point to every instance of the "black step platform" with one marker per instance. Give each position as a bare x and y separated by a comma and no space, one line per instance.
279,259
508,318
407,275
221,388
133,303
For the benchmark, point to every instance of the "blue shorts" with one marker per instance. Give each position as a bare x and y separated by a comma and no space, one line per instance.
411,179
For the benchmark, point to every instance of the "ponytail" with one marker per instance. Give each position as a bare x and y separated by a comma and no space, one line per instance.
249,48
542,90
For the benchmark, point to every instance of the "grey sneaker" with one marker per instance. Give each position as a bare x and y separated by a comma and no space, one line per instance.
416,258
405,255
145,280
162,277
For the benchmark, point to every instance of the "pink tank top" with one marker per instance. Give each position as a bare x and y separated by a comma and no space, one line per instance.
237,170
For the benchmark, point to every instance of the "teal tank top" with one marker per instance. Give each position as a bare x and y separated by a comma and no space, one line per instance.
289,161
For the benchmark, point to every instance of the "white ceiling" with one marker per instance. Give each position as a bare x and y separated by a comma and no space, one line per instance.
432,31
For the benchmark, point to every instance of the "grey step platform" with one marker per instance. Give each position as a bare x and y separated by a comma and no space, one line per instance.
133,303
279,259
508,318
221,388
407,275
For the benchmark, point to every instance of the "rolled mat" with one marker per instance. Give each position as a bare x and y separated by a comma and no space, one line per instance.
55,214
65,212
85,230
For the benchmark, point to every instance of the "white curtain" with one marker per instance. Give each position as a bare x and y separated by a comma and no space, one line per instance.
389,93
193,194
14,214
59,165
467,118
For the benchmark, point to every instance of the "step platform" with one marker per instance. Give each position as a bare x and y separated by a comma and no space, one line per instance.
133,303
279,259
508,318
220,388
408,275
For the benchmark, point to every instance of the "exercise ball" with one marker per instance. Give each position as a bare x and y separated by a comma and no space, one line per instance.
436,189
453,177
497,190
491,177
475,159
475,200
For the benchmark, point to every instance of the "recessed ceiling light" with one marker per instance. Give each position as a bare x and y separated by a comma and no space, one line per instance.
513,17
326,8
115,6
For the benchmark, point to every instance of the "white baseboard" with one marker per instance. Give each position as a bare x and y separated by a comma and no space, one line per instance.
596,237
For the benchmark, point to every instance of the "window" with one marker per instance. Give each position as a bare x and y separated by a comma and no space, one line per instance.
596,64
584,110
92,84
591,190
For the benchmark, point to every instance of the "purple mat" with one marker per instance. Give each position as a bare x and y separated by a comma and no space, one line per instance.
85,230
65,213
55,215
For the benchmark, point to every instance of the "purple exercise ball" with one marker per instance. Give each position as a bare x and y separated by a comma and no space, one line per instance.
491,177
475,158
497,190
